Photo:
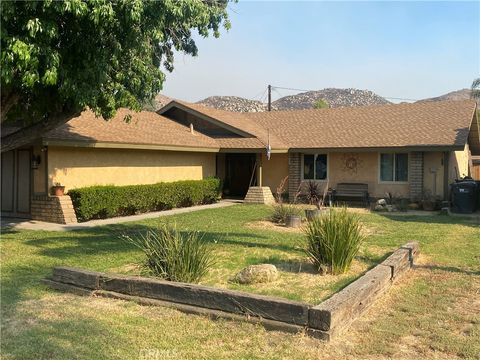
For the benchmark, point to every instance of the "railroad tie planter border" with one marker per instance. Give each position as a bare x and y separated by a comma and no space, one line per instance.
324,321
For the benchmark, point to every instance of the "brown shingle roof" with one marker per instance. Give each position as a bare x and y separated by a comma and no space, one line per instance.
145,128
444,123
435,124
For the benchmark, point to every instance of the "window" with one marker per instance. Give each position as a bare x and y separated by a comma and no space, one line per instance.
315,166
394,167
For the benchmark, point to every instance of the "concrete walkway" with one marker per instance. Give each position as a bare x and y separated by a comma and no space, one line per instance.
40,225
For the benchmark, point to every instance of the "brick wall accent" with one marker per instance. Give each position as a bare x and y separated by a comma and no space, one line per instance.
294,164
259,195
415,175
55,209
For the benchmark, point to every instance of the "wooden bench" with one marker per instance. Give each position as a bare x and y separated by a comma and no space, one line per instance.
351,191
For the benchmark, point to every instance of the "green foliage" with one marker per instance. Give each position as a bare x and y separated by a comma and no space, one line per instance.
173,255
333,240
321,104
109,201
281,211
64,56
475,89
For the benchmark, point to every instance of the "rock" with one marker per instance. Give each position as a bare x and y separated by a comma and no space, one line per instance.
382,202
379,208
390,208
234,103
257,274
334,97
324,269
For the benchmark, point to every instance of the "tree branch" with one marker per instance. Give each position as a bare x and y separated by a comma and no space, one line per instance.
34,131
8,101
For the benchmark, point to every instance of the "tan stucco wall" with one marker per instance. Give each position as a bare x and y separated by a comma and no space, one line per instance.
79,167
459,163
274,171
433,173
39,175
366,172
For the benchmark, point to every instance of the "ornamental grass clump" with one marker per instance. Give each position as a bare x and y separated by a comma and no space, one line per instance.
281,211
333,240
174,255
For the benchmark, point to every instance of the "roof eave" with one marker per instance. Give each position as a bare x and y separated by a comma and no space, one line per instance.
251,150
131,146
425,148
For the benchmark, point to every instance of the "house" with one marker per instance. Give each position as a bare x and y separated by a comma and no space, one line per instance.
404,149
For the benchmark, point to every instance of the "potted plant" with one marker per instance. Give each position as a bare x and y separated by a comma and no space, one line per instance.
58,189
314,198
293,221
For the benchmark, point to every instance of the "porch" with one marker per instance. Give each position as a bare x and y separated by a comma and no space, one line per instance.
404,174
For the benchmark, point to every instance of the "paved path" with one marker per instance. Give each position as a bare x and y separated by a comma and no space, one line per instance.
40,225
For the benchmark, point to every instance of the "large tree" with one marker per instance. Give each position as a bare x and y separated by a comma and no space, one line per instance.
61,57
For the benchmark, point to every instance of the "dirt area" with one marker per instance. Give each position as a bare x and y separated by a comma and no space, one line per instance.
269,225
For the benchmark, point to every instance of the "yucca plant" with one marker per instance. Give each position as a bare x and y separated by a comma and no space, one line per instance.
281,211
333,240
173,255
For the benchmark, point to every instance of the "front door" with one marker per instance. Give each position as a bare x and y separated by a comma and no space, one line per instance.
239,170
16,183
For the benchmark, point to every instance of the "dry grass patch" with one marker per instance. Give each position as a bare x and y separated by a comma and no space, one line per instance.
269,225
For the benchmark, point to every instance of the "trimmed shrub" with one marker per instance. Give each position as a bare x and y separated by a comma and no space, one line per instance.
333,240
281,211
99,202
173,255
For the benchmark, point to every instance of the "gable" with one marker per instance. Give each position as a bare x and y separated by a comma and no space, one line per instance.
212,120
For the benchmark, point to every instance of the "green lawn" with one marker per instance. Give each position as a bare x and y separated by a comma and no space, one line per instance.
433,312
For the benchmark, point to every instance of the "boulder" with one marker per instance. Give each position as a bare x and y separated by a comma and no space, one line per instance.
257,274
379,208
382,202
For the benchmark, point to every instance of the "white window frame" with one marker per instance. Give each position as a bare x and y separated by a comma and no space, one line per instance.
314,162
380,181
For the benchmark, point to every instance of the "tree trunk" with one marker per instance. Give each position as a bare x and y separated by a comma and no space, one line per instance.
8,101
35,131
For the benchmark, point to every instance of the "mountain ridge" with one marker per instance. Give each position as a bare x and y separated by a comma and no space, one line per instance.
335,97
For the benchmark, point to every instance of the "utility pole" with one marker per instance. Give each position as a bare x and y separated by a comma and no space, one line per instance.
269,107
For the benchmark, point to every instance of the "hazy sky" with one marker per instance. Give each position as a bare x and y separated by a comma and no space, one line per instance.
396,49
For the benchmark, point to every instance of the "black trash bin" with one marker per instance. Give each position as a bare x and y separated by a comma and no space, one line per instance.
478,194
464,197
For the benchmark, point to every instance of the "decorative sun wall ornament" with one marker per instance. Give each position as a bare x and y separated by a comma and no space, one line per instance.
351,163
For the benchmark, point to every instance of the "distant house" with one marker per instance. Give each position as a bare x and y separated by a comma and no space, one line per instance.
404,149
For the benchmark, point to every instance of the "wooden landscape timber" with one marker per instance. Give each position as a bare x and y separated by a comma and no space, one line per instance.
324,321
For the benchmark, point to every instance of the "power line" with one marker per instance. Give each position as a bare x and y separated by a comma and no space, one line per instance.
385,97
261,94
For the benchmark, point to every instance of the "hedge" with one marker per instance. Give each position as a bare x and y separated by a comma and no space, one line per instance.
100,202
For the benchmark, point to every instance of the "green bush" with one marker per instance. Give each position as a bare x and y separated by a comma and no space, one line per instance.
333,240
98,202
281,211
173,255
